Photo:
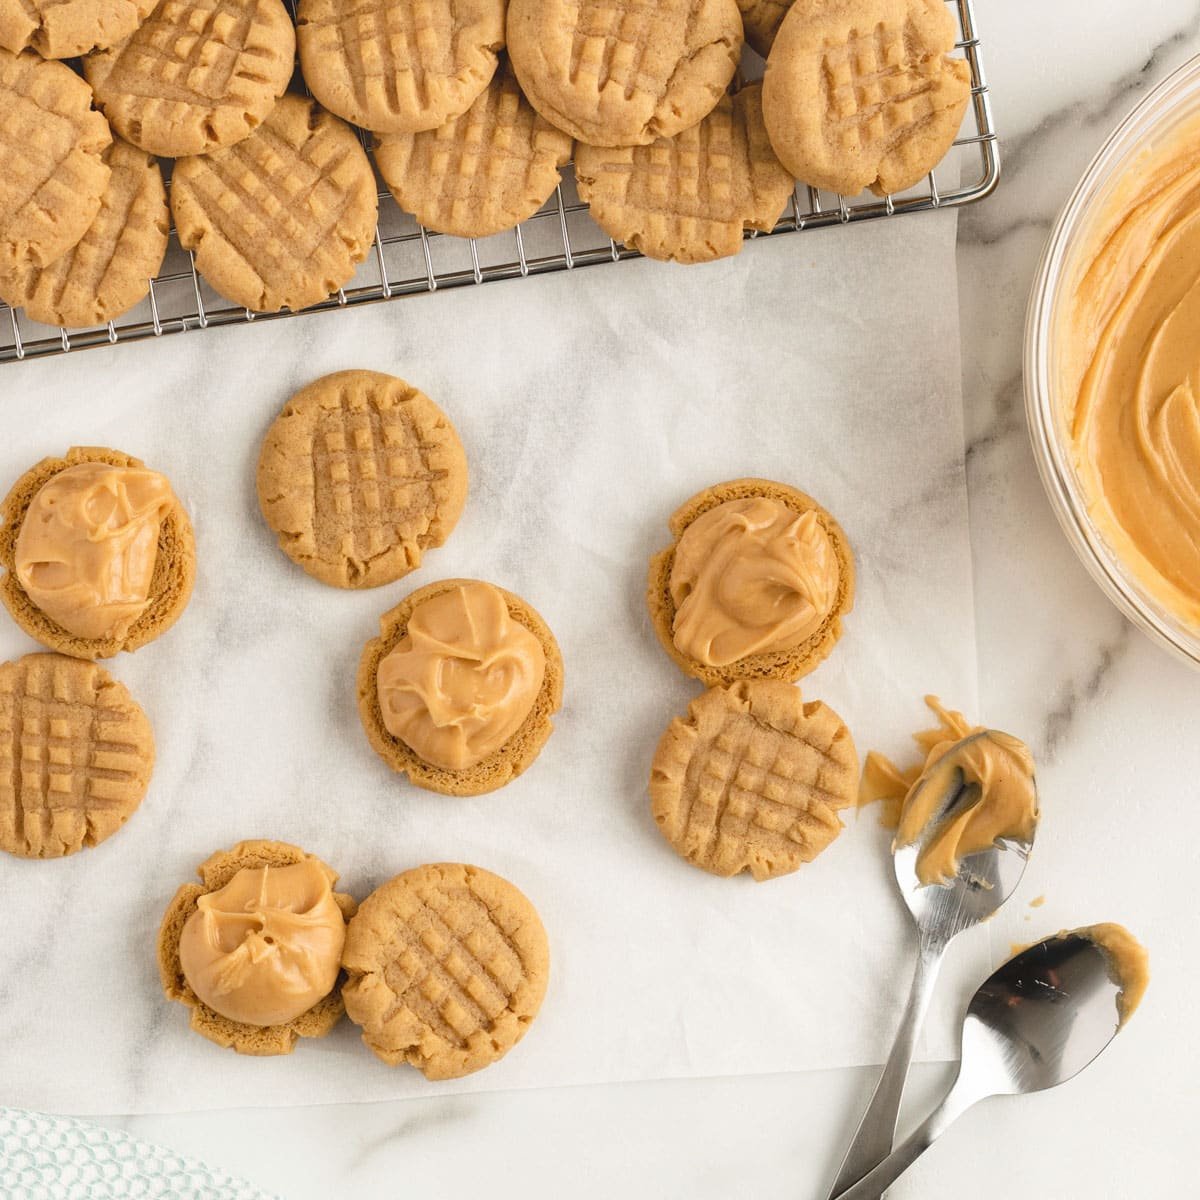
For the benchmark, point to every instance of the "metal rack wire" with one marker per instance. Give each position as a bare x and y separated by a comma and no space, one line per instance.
408,260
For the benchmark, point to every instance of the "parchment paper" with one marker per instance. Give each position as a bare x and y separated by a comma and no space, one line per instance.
591,405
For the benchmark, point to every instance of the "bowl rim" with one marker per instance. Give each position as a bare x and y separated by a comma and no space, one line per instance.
1053,462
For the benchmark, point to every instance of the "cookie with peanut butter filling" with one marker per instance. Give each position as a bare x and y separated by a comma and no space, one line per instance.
755,585
358,475
753,779
254,949
97,553
447,965
459,689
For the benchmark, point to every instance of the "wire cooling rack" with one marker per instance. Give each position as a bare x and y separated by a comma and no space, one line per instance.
409,260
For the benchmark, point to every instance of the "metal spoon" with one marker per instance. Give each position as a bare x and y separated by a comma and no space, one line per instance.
984,882
1038,1021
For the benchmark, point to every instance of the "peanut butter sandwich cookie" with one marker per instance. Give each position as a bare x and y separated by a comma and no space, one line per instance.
762,19
864,94
197,75
755,586
624,72
483,172
358,476
52,144
282,219
97,552
692,197
753,779
109,269
399,68
448,966
76,753
255,948
67,28
459,689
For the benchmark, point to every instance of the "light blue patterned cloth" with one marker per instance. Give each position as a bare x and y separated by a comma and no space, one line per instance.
55,1158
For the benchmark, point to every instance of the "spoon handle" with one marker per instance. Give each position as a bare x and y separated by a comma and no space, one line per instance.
876,1132
877,1181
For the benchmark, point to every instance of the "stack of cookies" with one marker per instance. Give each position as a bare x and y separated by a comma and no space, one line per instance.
473,108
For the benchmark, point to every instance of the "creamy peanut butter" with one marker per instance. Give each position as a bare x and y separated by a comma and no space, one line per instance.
751,577
463,678
1129,964
267,946
1131,371
87,545
998,765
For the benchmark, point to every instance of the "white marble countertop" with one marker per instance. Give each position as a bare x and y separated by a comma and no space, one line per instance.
1108,715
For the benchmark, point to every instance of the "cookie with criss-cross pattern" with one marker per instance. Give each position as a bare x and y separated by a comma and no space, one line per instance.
196,75
359,475
399,68
624,72
52,144
282,219
67,28
483,172
752,779
692,197
76,753
448,966
864,94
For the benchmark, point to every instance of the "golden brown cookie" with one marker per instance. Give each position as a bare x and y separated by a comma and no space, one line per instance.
762,19
196,75
448,966
358,476
108,271
399,68
76,753
753,779
483,172
51,144
282,219
692,197
215,872
499,767
66,28
170,587
783,664
624,72
863,94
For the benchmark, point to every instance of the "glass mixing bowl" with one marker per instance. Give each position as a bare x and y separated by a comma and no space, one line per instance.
1157,116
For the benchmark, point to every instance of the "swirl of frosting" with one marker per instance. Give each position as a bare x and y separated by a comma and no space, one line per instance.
463,678
87,546
750,577
267,946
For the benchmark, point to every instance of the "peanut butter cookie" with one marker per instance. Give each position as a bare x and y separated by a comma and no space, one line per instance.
753,779
171,576
67,28
79,755
399,68
481,173
864,94
196,75
52,144
762,19
109,269
471,675
358,476
623,72
754,587
267,934
448,966
282,219
692,197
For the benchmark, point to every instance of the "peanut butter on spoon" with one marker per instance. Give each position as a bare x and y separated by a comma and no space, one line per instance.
1000,802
